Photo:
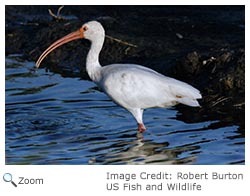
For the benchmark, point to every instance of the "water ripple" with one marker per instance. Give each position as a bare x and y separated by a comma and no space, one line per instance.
52,119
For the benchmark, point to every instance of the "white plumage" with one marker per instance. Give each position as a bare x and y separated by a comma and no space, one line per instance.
131,86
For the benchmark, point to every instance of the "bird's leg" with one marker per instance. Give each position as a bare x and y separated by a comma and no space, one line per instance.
141,127
137,113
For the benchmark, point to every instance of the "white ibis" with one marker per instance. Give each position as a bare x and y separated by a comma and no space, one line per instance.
131,86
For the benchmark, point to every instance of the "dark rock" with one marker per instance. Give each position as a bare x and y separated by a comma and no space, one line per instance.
209,56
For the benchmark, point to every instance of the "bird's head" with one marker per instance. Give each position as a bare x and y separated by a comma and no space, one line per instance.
91,30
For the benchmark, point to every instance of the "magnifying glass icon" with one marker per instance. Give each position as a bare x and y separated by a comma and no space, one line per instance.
7,177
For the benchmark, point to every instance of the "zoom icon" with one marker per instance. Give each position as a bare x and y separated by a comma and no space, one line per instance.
7,177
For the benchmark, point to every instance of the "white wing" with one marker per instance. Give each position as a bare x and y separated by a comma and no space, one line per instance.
135,86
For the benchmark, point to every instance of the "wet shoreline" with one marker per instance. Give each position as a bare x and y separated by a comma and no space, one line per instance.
201,45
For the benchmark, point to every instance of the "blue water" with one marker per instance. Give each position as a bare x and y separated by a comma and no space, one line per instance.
52,119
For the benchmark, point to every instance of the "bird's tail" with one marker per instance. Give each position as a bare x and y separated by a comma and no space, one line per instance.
185,93
189,101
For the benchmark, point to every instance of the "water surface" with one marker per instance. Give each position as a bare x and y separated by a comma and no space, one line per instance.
52,119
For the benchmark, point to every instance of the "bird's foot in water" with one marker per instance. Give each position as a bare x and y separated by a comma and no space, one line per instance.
141,128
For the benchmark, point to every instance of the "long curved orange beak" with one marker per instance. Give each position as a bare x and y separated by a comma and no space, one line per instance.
79,34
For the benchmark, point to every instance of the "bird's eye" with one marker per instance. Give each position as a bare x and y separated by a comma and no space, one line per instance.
85,28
